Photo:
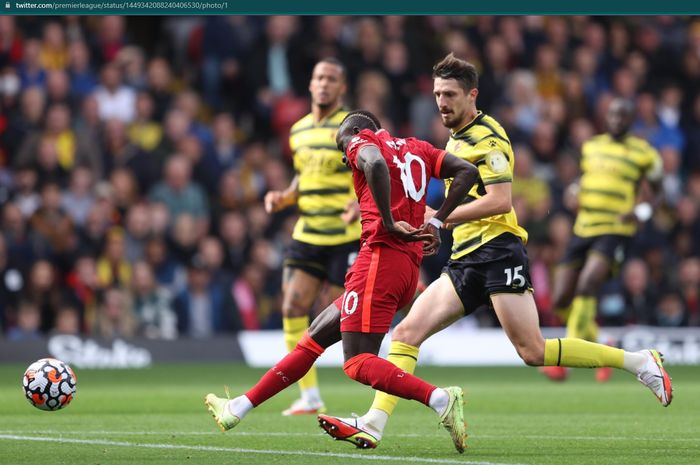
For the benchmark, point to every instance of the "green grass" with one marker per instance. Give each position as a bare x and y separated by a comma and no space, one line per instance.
157,416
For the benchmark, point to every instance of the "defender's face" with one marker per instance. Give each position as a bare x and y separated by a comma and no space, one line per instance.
453,101
327,85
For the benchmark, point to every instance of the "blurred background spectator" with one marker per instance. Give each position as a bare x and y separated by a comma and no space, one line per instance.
134,154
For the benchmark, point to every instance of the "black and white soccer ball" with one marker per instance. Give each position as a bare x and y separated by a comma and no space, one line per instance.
49,384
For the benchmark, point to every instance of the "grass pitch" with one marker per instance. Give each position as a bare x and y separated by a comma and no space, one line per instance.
515,416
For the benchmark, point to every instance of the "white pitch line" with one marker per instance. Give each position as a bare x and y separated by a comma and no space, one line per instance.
386,458
321,434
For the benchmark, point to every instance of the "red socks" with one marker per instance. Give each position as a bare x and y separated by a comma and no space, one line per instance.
365,368
387,377
288,371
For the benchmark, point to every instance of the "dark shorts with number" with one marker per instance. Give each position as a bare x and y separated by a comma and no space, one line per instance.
325,262
611,246
497,267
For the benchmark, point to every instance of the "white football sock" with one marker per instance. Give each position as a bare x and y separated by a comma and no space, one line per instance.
634,361
375,421
439,399
240,406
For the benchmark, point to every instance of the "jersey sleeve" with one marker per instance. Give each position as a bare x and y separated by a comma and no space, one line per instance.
494,159
654,169
363,139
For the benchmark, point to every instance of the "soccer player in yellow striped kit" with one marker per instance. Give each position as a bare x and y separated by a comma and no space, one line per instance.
613,166
326,236
488,265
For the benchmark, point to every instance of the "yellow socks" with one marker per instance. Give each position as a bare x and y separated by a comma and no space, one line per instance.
294,328
405,357
569,352
581,321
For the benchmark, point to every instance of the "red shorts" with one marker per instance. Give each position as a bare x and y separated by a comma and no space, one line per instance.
380,281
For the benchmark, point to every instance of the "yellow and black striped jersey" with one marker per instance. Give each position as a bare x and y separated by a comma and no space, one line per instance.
611,173
484,143
325,182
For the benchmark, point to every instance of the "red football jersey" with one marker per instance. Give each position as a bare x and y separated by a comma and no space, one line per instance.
412,162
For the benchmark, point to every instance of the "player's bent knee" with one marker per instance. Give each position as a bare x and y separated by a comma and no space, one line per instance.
407,333
353,367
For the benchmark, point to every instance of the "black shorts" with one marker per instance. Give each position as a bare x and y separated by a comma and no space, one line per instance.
325,262
499,266
611,246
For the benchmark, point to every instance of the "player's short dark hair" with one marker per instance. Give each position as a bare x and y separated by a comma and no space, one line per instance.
335,62
363,119
462,71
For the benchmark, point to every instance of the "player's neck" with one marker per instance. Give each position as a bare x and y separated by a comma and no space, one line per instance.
618,137
319,113
468,119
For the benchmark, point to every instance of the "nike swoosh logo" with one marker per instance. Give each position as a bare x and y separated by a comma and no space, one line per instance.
344,318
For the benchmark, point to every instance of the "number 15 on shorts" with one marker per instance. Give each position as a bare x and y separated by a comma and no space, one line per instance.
513,276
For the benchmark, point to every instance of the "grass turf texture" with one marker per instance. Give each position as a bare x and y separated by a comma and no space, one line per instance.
515,416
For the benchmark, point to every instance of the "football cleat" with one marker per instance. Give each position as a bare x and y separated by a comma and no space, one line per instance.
217,406
347,429
555,373
304,407
653,376
452,418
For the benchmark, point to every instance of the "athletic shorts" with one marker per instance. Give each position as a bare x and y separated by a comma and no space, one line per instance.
611,246
325,262
497,267
381,281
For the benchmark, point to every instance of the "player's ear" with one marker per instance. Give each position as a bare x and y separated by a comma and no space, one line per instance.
355,130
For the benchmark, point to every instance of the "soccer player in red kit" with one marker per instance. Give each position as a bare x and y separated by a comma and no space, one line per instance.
390,177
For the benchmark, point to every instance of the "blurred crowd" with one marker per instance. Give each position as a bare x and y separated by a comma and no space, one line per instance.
135,151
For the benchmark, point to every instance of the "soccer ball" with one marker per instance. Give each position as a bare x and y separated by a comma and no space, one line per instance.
49,384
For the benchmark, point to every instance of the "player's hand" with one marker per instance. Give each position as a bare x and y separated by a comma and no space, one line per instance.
406,232
429,213
351,213
275,201
432,245
628,218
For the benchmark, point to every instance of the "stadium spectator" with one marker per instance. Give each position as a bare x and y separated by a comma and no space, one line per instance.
113,269
204,307
138,228
168,272
84,288
79,199
28,323
115,317
114,100
67,321
80,71
689,281
180,195
152,305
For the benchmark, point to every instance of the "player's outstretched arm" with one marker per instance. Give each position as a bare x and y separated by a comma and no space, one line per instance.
373,166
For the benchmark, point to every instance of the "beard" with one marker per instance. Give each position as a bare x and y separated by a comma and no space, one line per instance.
450,120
